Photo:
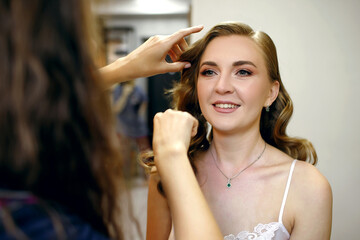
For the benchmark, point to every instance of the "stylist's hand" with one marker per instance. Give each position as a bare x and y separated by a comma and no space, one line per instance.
149,58
191,216
172,133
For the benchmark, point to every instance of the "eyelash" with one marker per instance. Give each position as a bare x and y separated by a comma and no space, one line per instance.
241,72
207,72
244,72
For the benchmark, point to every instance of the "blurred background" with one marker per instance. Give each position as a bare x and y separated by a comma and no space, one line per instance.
318,46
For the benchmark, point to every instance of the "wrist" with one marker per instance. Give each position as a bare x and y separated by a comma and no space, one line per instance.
171,157
116,72
170,152
123,70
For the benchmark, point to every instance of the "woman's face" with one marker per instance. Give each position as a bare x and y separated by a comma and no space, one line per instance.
233,85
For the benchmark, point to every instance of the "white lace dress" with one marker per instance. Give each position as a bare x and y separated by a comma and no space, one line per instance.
270,231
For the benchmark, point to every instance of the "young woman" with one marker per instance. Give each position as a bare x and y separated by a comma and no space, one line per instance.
259,182
59,161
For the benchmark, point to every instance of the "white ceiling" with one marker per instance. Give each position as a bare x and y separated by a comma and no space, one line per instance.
142,7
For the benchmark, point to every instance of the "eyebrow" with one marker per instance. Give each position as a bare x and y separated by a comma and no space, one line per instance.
237,63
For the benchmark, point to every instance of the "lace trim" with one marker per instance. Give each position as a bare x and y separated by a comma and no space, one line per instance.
261,232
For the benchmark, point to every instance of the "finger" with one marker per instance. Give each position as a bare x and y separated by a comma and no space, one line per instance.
172,55
183,44
194,128
176,49
177,66
169,111
158,114
157,118
177,36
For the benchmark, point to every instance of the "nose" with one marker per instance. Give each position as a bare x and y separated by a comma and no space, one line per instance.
224,84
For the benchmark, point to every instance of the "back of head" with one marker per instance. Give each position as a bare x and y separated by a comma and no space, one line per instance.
56,136
273,123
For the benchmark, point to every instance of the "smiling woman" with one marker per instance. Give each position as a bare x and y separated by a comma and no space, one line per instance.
259,182
234,81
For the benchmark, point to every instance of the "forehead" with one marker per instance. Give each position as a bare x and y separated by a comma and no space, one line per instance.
232,48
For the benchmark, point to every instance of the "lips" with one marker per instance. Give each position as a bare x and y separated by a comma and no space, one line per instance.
225,107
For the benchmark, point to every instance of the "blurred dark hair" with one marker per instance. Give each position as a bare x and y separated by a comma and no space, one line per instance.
57,138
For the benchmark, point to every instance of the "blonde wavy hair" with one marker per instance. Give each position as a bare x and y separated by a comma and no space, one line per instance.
272,124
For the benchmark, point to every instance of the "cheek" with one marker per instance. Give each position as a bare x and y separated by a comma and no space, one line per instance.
255,92
200,91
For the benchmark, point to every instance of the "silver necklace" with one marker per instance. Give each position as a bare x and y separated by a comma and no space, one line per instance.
228,185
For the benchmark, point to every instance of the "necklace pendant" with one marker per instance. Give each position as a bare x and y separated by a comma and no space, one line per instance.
228,185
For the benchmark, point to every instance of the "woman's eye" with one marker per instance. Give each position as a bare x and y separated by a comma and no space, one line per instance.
208,72
243,72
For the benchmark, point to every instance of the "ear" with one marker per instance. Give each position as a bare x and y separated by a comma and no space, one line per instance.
273,93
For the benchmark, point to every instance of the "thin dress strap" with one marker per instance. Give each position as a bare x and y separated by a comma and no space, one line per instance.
286,191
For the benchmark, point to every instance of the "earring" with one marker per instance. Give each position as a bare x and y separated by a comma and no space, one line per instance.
267,108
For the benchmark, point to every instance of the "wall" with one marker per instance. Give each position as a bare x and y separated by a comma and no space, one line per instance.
318,44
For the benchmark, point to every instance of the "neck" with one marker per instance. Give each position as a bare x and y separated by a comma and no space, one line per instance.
237,150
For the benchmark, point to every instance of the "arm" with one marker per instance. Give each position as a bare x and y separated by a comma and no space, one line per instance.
191,215
149,58
159,222
313,208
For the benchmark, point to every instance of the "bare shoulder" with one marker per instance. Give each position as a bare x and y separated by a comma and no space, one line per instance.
307,179
311,202
310,182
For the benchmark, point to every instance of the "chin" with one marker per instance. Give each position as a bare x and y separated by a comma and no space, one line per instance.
225,127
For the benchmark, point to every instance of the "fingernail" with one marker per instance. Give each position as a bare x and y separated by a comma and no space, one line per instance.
187,65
